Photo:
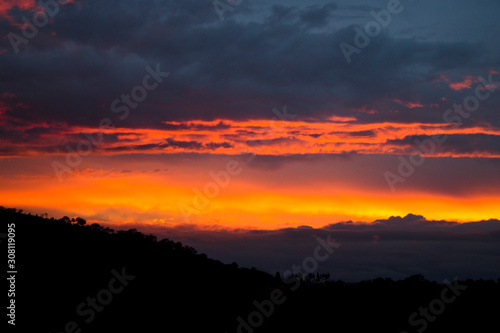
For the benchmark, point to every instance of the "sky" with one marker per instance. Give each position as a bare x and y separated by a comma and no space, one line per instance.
236,116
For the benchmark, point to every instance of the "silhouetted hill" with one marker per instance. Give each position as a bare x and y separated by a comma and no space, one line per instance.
125,281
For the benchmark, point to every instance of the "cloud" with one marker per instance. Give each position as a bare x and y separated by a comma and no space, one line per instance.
362,133
473,144
105,173
218,78
182,144
265,142
236,137
317,16
396,247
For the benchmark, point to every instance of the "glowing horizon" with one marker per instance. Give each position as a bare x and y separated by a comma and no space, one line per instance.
251,198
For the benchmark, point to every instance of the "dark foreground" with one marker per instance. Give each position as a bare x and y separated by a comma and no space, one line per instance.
72,277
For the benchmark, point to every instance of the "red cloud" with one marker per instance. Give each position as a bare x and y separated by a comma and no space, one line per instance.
410,105
24,5
458,85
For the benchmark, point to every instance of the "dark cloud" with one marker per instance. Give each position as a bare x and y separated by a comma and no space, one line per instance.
408,219
279,14
397,247
256,143
317,16
197,127
362,134
182,144
94,51
456,143
215,145
170,143
362,8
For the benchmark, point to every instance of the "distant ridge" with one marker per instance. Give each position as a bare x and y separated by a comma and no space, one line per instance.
165,285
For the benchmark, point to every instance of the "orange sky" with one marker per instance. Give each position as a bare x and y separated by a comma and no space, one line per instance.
260,195
130,178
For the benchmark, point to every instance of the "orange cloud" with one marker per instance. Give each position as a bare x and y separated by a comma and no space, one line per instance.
459,85
410,105
466,84
230,137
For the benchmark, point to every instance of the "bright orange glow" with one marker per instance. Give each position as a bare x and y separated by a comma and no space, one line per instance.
164,198
115,185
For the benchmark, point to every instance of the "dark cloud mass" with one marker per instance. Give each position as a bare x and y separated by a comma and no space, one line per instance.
396,247
96,50
457,143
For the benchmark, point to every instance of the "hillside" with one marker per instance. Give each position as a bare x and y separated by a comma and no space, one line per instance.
74,277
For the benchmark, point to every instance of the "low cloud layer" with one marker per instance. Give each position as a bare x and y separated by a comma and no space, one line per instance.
397,247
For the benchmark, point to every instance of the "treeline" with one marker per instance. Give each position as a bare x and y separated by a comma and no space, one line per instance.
76,277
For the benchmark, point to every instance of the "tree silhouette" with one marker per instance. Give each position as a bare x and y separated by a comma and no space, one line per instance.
177,290
79,221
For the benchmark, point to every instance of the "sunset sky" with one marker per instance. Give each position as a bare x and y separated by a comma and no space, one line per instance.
159,113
